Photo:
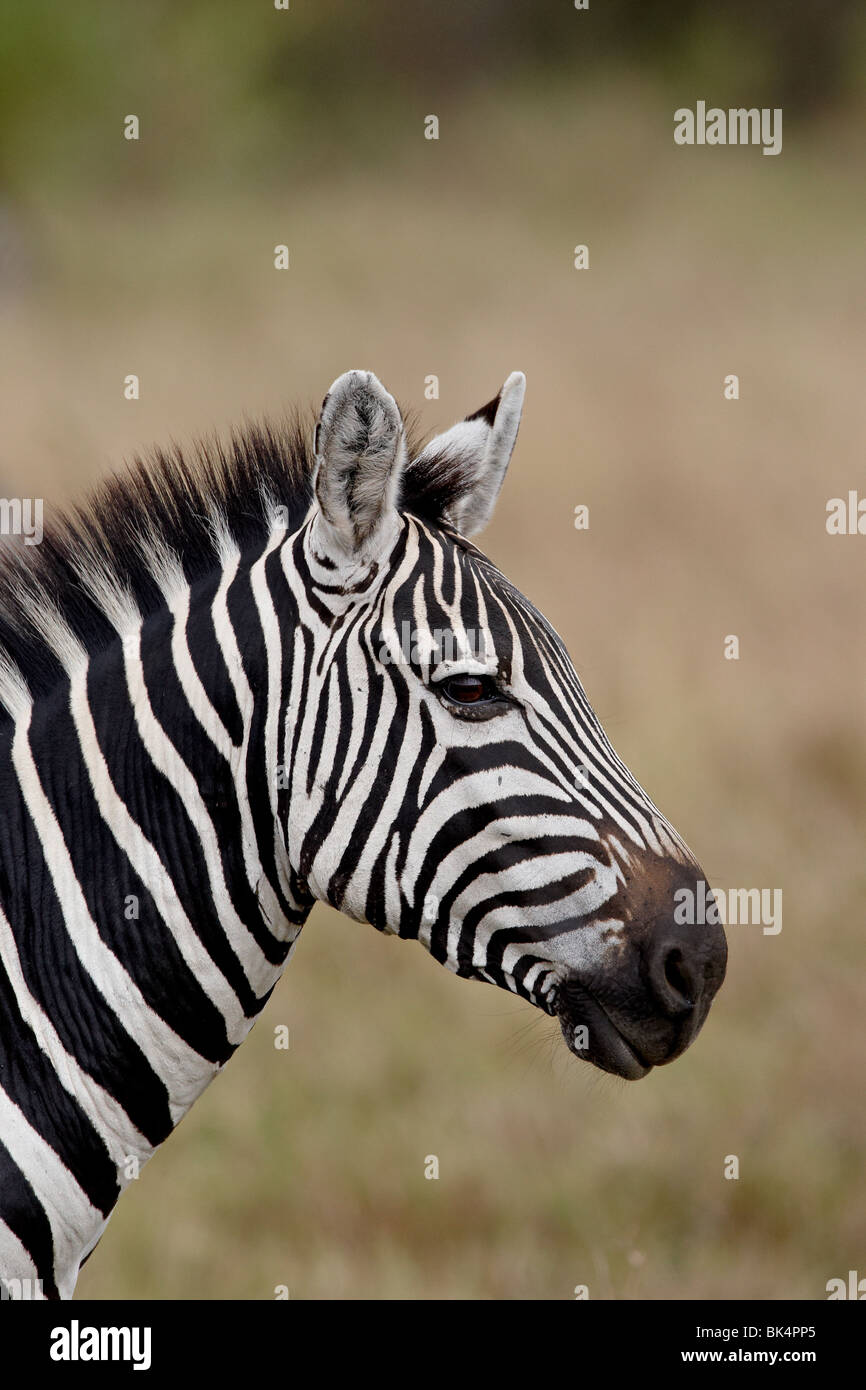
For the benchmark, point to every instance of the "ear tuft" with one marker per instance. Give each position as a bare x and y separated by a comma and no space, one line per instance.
360,453
488,412
465,467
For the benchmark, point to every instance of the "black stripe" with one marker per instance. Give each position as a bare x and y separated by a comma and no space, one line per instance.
208,659
23,1214
54,975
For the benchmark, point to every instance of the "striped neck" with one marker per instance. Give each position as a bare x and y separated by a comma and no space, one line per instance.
140,813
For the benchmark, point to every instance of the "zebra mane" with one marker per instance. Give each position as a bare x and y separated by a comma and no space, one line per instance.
173,511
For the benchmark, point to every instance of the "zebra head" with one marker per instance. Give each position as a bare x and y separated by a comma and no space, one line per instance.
449,780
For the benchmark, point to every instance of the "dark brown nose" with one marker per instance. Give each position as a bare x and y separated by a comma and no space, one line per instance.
681,963
647,1004
683,968
678,964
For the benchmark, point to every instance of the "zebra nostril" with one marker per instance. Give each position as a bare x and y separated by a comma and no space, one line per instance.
677,977
672,982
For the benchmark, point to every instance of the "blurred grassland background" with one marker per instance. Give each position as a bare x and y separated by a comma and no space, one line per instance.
707,517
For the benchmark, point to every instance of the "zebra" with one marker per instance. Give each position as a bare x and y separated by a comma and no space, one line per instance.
227,695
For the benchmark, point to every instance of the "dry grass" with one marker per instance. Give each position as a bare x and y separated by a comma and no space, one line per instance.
707,518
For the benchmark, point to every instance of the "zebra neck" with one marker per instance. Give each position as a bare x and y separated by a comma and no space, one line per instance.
147,906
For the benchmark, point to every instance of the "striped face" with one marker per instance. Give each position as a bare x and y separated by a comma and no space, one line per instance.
450,781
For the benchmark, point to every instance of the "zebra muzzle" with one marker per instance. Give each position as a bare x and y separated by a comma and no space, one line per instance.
592,1035
649,1005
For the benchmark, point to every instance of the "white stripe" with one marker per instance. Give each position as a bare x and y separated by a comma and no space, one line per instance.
227,642
14,691
228,645
196,695
15,1261
72,1217
273,655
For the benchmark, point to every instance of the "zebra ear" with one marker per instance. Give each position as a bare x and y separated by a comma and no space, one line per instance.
466,465
360,454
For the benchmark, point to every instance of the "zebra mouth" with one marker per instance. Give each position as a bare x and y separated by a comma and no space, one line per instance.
591,1035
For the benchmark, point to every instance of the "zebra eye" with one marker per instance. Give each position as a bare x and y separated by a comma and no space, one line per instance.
468,690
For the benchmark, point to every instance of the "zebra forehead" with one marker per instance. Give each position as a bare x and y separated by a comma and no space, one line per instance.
454,586
458,566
